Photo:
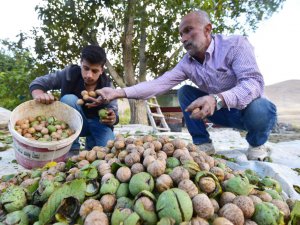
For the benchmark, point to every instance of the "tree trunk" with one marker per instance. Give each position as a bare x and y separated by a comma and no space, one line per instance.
138,112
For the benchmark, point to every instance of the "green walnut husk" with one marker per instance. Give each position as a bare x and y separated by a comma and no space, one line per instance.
92,188
274,194
13,199
103,113
75,188
60,177
30,189
17,217
51,120
166,221
133,219
252,176
88,172
123,190
139,182
267,214
124,202
144,206
268,182
110,186
7,177
68,210
192,167
32,212
120,215
172,162
218,189
295,214
51,128
37,223
239,185
175,203
21,176
96,163
47,188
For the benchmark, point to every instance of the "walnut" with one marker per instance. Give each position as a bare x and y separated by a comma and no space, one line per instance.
88,206
207,184
233,213
226,197
137,168
202,206
123,174
168,148
218,172
178,143
104,168
179,173
108,202
245,203
96,218
91,155
156,168
222,221
163,182
189,187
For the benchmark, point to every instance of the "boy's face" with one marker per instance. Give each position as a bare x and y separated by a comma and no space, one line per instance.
90,72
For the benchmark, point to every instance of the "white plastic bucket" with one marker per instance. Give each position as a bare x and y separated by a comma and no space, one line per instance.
31,153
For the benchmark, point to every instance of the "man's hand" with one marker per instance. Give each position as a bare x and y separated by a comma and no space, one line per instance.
42,97
110,119
93,102
202,107
108,94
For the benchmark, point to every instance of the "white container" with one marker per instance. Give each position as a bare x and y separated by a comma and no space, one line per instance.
31,153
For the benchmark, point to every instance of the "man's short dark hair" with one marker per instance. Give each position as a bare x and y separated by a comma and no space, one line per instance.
94,54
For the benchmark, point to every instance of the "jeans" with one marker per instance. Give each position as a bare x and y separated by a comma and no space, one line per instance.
96,133
258,118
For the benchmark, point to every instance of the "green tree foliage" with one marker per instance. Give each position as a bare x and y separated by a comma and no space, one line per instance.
17,69
141,37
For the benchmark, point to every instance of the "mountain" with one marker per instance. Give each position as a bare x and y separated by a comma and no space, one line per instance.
286,96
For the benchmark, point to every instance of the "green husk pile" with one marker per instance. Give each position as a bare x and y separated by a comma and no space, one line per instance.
143,180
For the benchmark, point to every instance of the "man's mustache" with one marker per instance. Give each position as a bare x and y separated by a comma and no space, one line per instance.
187,44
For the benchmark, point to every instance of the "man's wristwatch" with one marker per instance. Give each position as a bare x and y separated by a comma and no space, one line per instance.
219,102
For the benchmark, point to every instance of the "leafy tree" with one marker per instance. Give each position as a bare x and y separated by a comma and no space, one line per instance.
141,37
17,69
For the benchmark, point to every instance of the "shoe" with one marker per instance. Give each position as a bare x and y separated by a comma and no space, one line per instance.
260,153
208,148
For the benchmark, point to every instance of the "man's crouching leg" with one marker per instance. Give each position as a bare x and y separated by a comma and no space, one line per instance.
259,117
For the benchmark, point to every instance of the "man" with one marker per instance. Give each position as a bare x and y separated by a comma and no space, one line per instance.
72,81
230,86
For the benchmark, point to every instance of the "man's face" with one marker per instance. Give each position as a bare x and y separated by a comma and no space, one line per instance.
194,36
90,72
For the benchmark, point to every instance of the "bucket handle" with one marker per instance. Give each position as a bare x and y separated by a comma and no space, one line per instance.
54,148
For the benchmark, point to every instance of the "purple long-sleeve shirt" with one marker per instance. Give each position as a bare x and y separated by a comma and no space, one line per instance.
229,69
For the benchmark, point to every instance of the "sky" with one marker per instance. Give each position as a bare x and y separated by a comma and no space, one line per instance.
276,41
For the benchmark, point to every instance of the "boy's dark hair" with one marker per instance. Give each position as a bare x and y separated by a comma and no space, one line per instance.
94,54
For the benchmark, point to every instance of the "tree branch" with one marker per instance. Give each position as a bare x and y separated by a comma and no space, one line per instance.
168,61
115,74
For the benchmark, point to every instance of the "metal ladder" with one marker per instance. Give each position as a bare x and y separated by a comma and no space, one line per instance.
152,102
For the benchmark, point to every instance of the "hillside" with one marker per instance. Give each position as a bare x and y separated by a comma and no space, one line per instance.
286,96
